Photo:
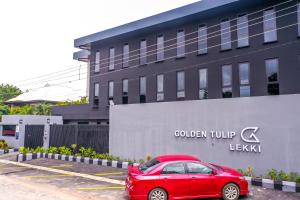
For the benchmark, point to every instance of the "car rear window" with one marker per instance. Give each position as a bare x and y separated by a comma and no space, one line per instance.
149,165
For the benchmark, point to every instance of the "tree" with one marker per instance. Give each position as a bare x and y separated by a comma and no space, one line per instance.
8,92
82,100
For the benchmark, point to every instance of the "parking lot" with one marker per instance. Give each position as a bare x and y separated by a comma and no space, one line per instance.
72,187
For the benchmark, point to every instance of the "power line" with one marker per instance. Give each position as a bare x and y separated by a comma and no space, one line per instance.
216,25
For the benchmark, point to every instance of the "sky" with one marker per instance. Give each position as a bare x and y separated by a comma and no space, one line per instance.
37,37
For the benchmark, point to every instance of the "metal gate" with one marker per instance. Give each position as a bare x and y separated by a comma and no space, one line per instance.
34,136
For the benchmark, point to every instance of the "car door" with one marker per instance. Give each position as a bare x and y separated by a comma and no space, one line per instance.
201,178
175,179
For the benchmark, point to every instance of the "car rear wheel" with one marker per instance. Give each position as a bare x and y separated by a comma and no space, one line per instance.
231,192
158,194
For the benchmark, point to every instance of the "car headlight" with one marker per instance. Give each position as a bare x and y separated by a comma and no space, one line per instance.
242,178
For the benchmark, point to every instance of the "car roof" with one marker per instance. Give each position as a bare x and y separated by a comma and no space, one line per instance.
168,158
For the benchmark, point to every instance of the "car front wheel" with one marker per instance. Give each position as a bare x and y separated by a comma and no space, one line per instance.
231,192
158,194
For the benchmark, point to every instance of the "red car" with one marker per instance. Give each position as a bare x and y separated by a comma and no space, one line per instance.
183,177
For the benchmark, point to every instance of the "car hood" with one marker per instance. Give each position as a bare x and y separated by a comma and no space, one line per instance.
228,170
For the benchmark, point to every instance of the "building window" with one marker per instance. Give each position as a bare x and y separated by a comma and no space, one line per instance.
143,52
160,87
110,91
111,59
244,80
97,62
180,44
202,83
125,91
180,85
272,76
9,130
225,35
202,39
243,31
160,48
96,94
143,89
270,29
125,55
298,14
227,81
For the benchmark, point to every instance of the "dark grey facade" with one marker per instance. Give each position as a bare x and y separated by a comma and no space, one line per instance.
213,15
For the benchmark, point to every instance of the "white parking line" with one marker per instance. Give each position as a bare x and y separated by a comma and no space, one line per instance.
96,178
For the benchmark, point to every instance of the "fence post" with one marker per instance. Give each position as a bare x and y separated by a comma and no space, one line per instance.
76,134
46,139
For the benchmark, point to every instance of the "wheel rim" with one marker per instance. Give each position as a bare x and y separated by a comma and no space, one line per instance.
231,192
158,195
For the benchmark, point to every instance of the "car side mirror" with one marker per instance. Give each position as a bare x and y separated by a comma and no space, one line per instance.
214,172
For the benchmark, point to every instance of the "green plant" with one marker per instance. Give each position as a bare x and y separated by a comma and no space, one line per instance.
249,171
283,176
148,158
52,150
3,145
73,148
141,161
273,174
65,150
298,179
293,176
241,171
39,150
24,150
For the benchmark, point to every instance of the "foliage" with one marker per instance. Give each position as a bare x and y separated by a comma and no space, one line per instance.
65,150
148,158
82,100
273,174
4,110
24,150
53,150
8,92
38,109
3,145
293,176
283,176
39,150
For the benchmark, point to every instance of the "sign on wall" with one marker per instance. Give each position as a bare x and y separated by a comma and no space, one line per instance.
248,137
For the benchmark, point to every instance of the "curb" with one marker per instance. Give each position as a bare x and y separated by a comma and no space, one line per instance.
2,151
284,186
91,161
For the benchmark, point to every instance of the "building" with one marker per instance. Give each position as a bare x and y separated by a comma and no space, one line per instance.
224,71
205,50
18,130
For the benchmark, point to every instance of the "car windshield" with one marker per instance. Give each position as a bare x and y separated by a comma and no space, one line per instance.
148,165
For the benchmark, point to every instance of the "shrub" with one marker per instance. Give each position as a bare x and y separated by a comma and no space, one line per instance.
39,150
65,150
52,150
298,179
241,171
3,145
23,150
283,176
293,176
148,158
74,147
273,174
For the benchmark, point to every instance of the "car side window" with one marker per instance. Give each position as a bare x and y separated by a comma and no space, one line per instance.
174,168
197,168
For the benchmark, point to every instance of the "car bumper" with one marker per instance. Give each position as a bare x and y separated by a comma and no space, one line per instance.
244,189
132,193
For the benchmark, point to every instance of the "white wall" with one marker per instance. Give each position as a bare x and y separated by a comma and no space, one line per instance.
140,129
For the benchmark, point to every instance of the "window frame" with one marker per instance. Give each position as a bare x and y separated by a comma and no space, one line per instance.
160,95
242,85
97,61
225,86
143,54
177,85
111,90
8,125
142,94
277,82
265,28
202,38
180,162
224,31
160,52
126,56
240,33
111,64
125,93
201,88
188,172
180,44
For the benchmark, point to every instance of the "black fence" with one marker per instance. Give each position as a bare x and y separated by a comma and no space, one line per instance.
34,136
95,136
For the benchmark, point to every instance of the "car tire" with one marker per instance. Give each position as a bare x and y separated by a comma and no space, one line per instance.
158,194
231,192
